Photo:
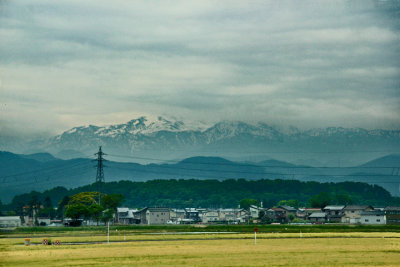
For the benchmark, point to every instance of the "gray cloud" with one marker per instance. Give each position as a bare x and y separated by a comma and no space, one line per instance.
306,63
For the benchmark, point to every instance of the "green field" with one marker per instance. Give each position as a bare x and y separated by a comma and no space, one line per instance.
164,246
267,228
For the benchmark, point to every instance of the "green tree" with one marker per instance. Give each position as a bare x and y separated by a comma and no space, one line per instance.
76,211
247,202
47,202
291,217
343,199
263,217
107,215
85,198
78,206
112,201
95,211
84,205
61,206
321,200
292,203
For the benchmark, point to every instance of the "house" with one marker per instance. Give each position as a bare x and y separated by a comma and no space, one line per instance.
127,216
317,217
255,211
155,215
288,209
10,221
232,215
192,214
392,215
304,213
373,217
177,215
334,213
352,213
210,216
224,215
277,215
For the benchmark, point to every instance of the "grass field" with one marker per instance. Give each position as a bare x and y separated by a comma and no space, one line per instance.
227,249
283,228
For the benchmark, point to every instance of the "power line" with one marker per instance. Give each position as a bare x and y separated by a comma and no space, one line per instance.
254,165
44,171
56,169
43,181
248,172
100,172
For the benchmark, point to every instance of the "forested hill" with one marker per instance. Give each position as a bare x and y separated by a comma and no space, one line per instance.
227,193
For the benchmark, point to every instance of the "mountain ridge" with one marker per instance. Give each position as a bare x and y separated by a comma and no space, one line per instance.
163,138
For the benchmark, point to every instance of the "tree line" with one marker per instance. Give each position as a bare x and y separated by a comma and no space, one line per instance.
216,194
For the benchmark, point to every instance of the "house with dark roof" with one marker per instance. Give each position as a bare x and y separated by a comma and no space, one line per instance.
288,209
277,215
334,213
317,217
304,213
126,216
392,215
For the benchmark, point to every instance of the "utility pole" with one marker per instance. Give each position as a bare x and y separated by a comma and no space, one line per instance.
100,171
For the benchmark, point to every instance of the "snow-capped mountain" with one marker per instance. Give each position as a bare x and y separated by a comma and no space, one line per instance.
163,138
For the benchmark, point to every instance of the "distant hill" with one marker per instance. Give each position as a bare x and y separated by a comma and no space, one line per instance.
23,173
42,157
389,161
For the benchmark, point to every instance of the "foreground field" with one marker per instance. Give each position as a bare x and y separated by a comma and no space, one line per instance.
333,249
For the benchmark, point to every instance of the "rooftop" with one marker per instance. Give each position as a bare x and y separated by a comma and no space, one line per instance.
333,207
317,215
358,207
373,212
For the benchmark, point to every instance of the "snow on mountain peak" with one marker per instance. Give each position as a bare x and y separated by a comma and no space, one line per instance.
142,125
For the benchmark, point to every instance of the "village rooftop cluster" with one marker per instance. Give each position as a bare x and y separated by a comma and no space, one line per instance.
338,214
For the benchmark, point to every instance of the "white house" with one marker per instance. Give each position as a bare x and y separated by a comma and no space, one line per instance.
352,213
10,221
255,211
210,216
373,217
177,215
156,215
126,216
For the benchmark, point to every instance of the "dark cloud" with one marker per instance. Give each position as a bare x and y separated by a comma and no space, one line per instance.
306,63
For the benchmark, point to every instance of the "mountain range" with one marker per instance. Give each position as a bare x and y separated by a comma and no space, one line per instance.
144,140
24,173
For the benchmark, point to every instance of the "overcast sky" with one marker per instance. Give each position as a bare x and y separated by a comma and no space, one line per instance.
301,63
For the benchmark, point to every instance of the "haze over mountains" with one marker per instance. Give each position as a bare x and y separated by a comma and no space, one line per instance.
144,149
24,173
143,140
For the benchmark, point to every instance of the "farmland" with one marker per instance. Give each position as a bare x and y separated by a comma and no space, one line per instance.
163,247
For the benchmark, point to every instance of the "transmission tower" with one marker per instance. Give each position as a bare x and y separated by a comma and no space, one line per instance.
100,165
